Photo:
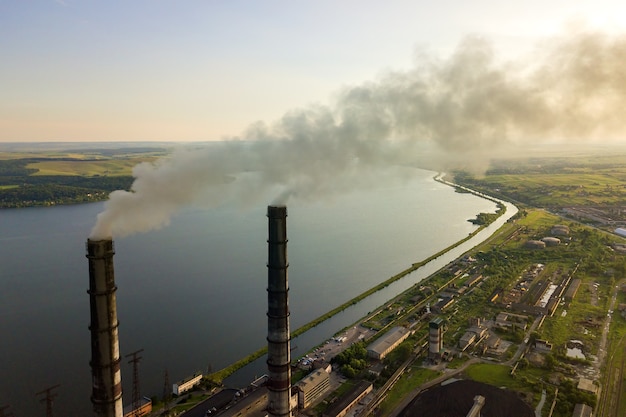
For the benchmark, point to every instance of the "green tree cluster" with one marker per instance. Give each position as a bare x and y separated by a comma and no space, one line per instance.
396,358
567,398
47,190
352,360
15,168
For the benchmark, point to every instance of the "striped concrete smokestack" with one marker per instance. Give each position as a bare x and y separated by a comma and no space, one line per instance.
278,353
105,353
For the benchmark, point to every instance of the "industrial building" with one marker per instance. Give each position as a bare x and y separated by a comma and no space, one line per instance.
582,410
143,408
551,241
466,340
186,384
560,230
388,342
345,403
507,320
572,289
535,244
253,404
445,301
312,387
473,280
543,345
587,385
435,338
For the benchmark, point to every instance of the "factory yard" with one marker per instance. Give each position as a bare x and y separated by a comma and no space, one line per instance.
545,292
526,330
538,309
559,316
337,344
524,317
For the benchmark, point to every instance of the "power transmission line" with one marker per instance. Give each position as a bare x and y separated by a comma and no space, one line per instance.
49,398
136,388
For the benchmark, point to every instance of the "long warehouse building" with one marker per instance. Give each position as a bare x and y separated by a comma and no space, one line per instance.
388,342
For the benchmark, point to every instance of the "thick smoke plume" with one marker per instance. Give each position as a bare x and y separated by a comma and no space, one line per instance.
463,108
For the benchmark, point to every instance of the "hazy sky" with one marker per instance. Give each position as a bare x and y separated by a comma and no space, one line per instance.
85,70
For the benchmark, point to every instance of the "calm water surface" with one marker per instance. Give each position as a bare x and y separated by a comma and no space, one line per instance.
193,295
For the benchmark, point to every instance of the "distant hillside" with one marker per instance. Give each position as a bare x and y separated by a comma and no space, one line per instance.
69,175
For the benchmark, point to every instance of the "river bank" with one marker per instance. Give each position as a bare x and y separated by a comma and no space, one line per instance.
219,376
193,294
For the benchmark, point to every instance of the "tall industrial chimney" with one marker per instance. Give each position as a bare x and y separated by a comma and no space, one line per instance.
105,353
435,338
278,352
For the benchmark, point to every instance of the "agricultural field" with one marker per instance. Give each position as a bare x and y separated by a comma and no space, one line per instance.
87,168
39,176
555,182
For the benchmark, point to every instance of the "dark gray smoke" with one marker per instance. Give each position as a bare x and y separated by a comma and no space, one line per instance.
463,109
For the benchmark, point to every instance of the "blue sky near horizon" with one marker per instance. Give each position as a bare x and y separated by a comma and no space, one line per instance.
86,70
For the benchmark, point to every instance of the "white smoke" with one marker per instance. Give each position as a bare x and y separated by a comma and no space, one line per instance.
467,106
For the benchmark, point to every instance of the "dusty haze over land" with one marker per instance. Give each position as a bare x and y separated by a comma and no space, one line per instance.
466,108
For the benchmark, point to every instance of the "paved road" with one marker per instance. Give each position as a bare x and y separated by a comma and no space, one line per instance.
331,348
540,405
522,346
606,391
218,401
605,330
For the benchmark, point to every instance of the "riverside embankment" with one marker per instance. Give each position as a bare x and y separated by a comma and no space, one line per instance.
193,294
348,313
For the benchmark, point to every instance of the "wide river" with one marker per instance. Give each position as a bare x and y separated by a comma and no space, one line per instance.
193,295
